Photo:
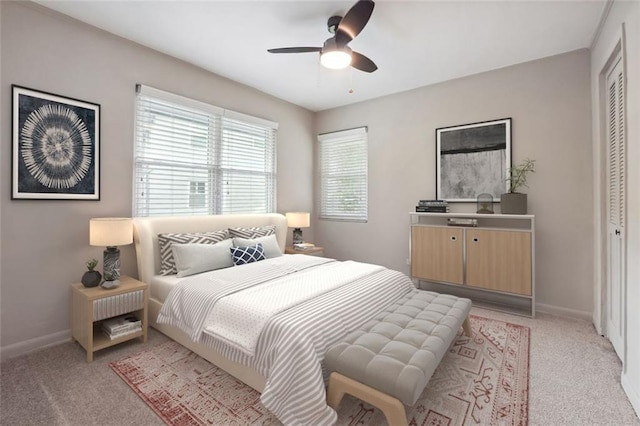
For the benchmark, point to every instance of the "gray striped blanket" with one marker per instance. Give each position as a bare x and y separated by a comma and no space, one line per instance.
291,347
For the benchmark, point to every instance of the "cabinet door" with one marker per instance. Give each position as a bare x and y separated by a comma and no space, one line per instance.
499,260
437,254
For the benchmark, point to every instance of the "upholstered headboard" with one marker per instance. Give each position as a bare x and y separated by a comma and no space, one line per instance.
146,230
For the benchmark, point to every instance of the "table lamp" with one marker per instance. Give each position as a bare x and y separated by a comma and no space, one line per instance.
297,220
110,232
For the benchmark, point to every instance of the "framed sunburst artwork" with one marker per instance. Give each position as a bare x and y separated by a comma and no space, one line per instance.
56,147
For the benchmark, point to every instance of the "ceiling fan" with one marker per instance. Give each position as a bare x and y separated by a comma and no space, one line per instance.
335,53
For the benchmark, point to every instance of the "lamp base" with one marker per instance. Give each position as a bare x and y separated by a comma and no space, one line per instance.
111,263
110,284
297,236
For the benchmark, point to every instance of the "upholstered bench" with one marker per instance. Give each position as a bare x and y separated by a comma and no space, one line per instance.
390,359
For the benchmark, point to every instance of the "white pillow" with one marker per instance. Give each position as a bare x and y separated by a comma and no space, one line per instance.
270,244
196,258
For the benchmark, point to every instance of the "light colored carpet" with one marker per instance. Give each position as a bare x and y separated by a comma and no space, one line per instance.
574,380
481,380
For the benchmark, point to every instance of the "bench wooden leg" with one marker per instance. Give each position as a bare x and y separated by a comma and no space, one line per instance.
392,408
466,327
335,393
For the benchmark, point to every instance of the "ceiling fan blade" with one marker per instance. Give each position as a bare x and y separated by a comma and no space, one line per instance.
354,21
295,50
361,62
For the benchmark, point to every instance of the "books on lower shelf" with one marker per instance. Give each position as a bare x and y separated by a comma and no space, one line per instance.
121,326
303,246
429,209
462,221
122,333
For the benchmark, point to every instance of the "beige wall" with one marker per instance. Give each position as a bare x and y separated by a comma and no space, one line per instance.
627,13
46,243
549,102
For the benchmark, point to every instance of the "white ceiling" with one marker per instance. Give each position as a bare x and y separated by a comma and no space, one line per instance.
414,43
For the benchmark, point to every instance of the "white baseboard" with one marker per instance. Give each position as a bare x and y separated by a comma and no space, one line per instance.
564,312
632,393
31,345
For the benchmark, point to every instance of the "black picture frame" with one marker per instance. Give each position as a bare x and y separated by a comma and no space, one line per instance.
55,147
473,159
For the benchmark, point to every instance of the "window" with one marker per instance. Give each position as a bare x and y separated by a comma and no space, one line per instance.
197,194
343,175
195,158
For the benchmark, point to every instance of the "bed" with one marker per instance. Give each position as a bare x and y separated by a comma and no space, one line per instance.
287,366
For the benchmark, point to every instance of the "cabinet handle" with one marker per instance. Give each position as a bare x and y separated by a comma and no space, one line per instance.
453,238
476,239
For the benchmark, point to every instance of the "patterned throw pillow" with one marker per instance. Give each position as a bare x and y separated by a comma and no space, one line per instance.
166,241
244,255
269,243
255,232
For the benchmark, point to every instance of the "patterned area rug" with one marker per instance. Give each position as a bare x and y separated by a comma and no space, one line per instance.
482,380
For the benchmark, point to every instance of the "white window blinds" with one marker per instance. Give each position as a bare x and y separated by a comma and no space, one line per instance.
195,158
343,175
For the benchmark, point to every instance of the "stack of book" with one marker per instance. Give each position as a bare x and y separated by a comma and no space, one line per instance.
303,246
121,326
432,206
462,221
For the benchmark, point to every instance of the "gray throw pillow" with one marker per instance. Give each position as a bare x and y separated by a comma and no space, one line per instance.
193,259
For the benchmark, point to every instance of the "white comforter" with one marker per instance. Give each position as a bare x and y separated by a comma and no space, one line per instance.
190,303
239,318
291,346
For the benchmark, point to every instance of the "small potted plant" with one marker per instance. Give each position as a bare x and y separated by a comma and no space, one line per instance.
91,278
515,202
110,281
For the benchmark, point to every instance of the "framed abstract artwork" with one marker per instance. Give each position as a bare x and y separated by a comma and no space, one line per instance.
56,147
473,159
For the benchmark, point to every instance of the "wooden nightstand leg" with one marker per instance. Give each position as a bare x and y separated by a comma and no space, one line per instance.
145,315
89,330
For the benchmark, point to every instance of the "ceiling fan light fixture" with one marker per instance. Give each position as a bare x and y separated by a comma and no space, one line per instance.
336,59
335,54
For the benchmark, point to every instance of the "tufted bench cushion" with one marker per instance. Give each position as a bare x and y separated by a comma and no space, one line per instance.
398,351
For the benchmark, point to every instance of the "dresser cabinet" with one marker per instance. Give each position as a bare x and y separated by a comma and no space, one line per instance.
497,256
437,254
499,260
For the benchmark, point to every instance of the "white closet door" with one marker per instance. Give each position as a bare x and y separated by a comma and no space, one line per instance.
616,275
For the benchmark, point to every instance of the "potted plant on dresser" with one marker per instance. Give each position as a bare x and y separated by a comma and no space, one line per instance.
514,202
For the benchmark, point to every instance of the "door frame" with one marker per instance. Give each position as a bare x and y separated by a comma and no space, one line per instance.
600,158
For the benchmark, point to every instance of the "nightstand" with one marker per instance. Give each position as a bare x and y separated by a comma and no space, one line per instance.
315,251
89,306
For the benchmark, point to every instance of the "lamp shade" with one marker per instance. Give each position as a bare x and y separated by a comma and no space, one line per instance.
110,231
298,219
